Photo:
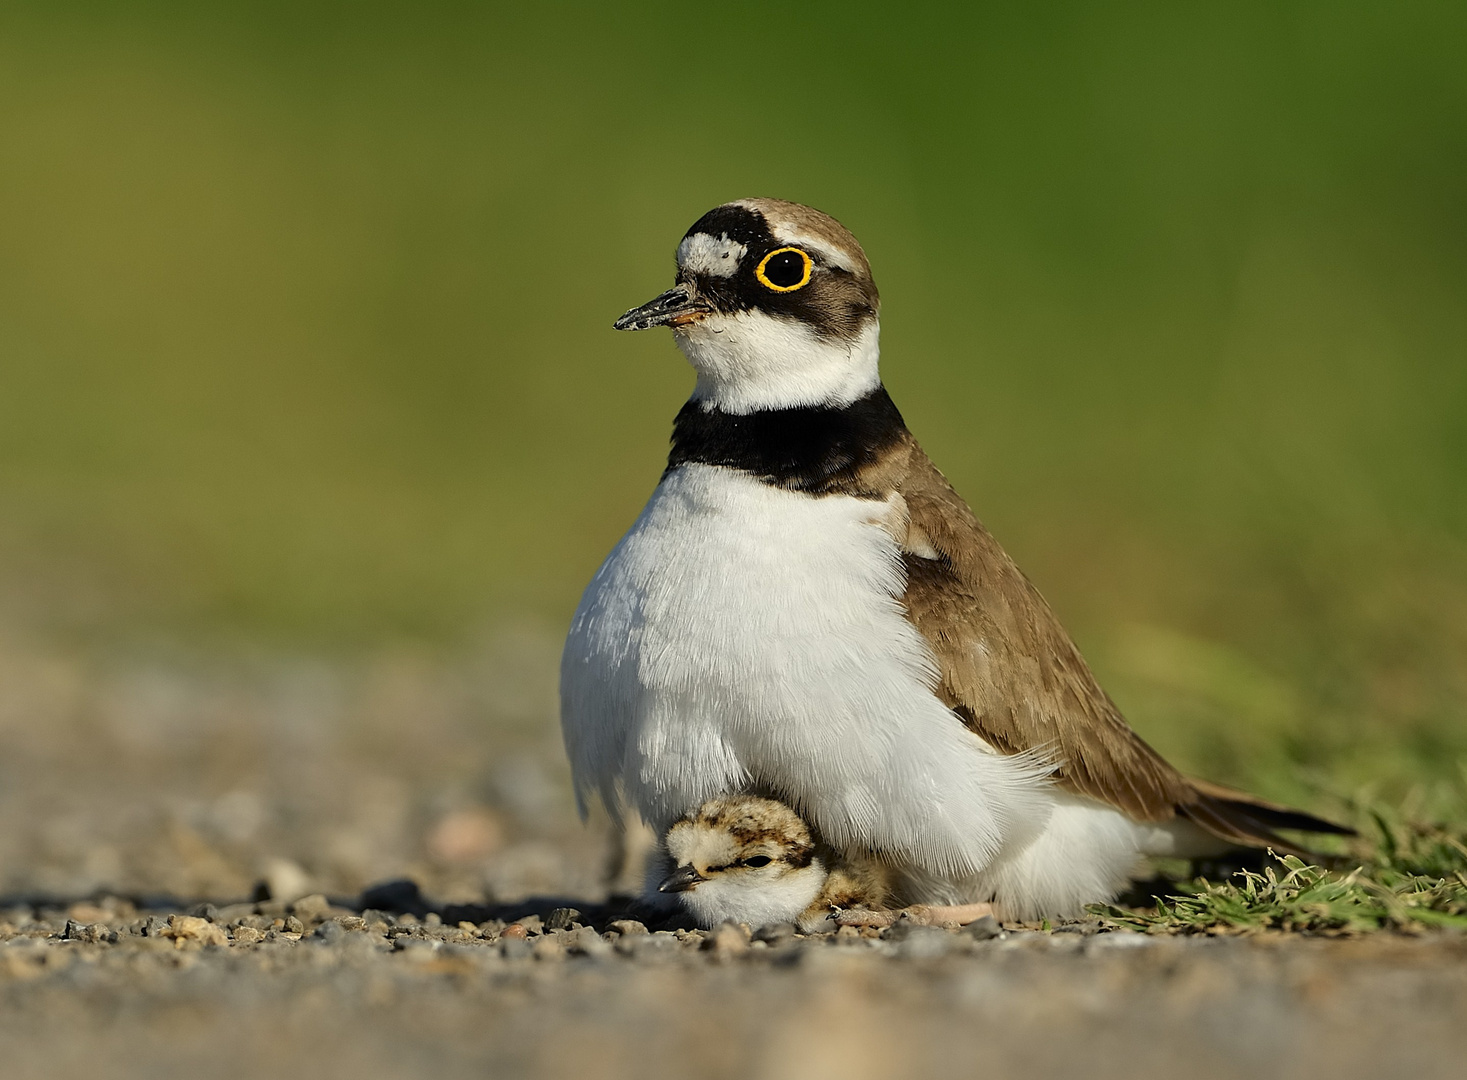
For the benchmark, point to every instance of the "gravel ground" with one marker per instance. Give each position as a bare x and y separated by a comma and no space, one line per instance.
113,991
145,799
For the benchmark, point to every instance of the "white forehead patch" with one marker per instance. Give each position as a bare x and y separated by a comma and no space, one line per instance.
692,843
715,256
831,256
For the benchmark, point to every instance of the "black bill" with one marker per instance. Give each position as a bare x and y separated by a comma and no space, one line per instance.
677,306
683,878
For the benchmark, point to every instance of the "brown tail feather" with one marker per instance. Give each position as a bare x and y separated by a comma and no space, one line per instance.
1249,821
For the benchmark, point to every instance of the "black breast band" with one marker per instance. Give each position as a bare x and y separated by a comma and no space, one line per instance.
821,450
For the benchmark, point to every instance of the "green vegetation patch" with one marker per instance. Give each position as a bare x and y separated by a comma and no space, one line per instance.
1411,877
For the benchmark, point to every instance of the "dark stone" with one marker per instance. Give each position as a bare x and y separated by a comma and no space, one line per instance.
983,929
401,895
775,933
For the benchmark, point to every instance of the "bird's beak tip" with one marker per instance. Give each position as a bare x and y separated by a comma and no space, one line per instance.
681,880
678,306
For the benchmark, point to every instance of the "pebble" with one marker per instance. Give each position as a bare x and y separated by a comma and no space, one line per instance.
915,942
284,882
983,929
562,918
641,946
514,948
775,932
584,941
309,908
729,940
192,930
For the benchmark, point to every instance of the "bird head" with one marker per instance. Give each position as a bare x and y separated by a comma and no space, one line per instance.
744,858
774,306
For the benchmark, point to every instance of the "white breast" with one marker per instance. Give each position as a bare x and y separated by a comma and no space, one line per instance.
742,634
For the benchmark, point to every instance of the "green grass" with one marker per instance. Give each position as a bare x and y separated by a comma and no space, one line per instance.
1399,875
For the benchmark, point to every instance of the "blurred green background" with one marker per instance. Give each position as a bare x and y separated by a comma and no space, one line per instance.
305,322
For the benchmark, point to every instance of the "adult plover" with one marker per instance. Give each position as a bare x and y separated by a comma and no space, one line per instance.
754,860
806,609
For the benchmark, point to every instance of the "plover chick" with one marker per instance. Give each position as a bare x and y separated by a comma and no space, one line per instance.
754,860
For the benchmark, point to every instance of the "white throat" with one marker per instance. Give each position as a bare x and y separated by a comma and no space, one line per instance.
752,361
756,901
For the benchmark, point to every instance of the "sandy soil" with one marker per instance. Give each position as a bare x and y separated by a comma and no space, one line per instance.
147,799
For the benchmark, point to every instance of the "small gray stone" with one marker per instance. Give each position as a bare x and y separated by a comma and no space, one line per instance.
627,927
584,941
330,931
311,908
514,948
562,918
232,913
775,932
984,929
642,946
916,942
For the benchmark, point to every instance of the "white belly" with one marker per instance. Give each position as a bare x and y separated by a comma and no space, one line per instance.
744,635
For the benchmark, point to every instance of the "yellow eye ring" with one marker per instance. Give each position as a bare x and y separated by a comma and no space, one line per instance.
808,267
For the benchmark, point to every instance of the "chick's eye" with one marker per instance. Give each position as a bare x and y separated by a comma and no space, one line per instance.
758,860
784,270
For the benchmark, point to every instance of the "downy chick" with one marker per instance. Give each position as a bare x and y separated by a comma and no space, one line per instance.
754,860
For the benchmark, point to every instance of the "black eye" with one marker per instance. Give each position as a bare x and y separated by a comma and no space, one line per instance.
758,860
784,270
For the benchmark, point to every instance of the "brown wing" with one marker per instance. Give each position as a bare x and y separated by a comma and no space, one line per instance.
1014,676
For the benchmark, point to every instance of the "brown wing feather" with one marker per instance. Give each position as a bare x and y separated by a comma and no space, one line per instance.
1015,677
